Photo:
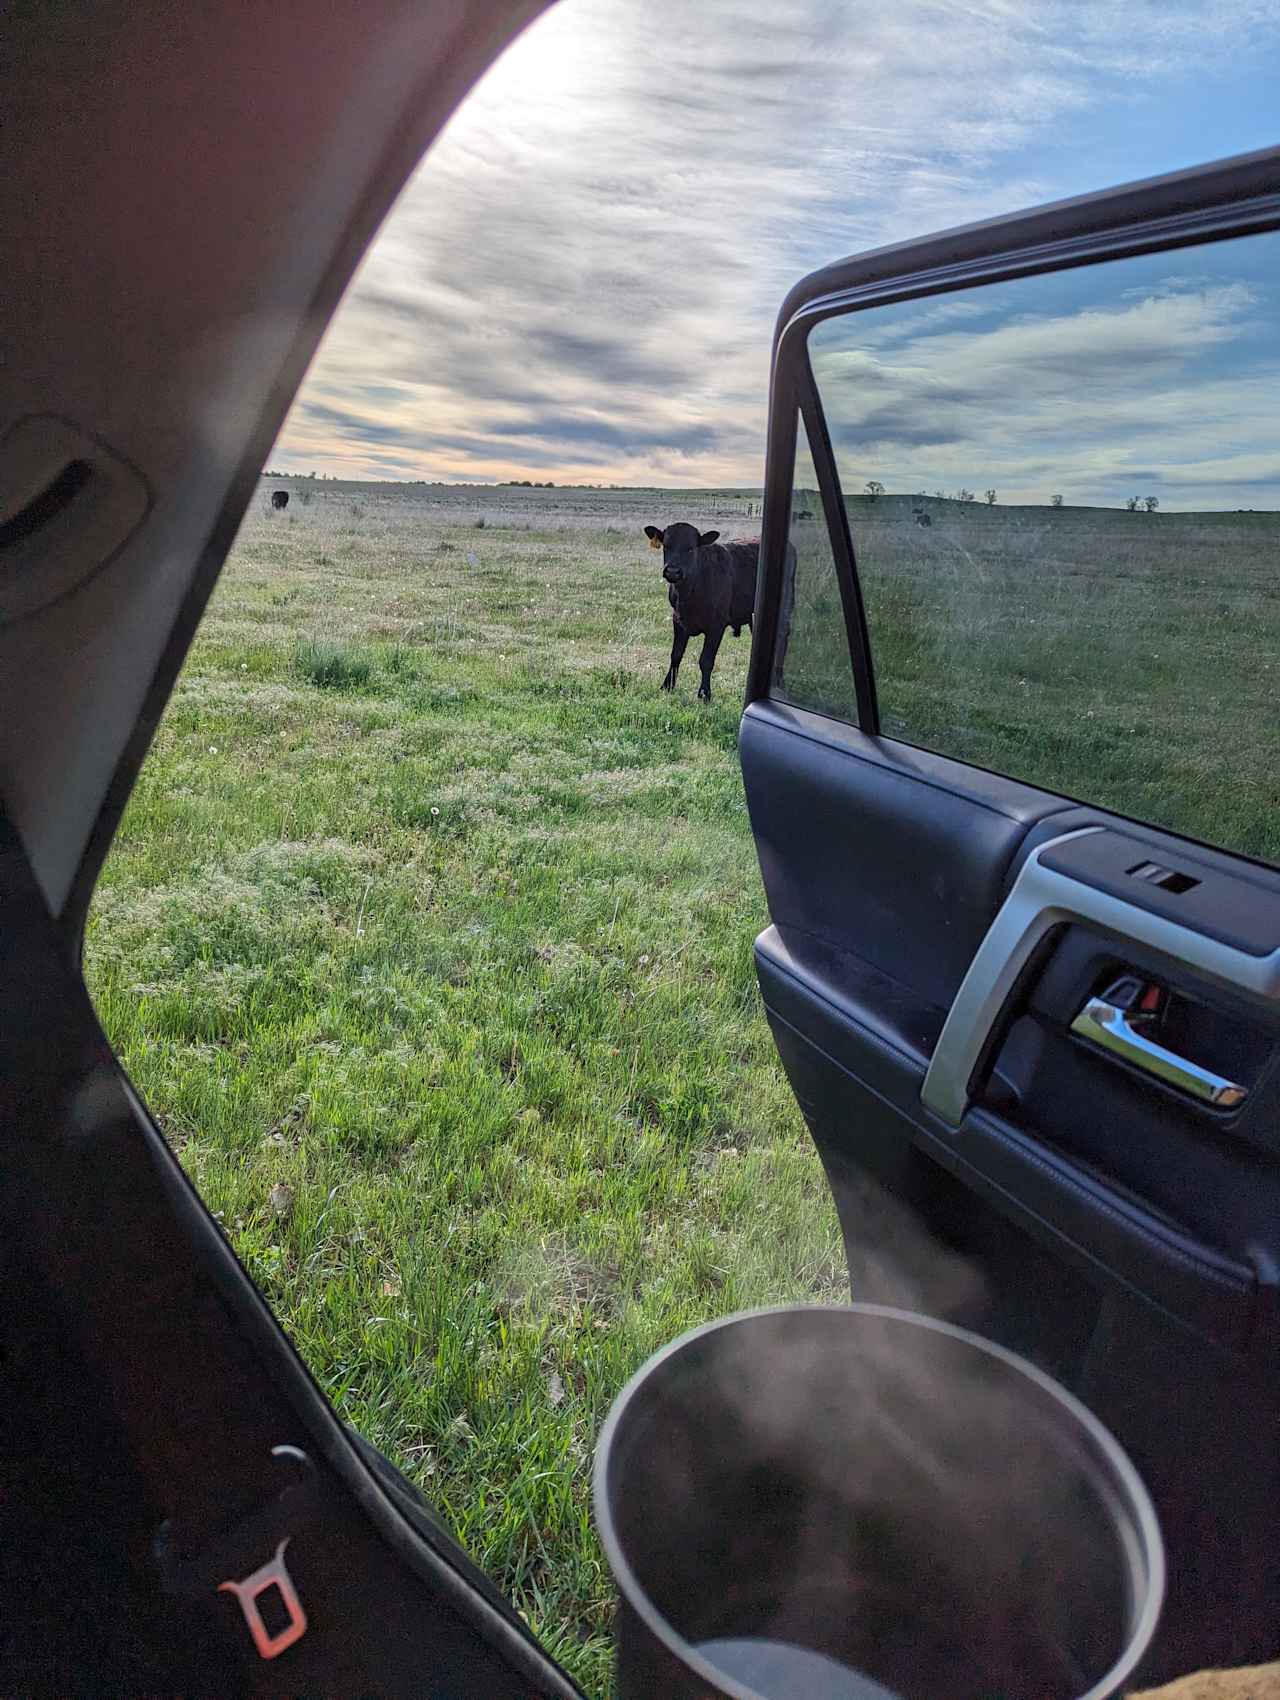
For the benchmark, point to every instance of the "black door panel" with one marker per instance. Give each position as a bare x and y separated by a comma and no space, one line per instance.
891,854
1207,1168
1078,1197
916,1233
1216,897
884,867
840,1058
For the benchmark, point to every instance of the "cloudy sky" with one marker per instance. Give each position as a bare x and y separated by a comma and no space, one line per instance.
1158,376
580,282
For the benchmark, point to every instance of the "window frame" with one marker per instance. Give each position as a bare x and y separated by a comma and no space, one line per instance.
1211,203
835,513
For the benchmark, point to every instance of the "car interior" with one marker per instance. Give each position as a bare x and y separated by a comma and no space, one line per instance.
1041,1024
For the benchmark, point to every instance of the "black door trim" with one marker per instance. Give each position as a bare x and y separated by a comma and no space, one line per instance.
842,550
1211,203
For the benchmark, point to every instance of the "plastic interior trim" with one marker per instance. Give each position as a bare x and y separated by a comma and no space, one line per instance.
1040,900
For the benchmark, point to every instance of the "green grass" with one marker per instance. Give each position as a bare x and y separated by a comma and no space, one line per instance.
1129,660
334,666
427,936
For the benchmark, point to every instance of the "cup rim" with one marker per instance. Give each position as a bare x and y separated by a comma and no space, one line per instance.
1132,1488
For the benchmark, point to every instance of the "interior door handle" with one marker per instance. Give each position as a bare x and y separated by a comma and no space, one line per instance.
1108,1025
1043,898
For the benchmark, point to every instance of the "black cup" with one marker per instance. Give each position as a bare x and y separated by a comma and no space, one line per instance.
816,1503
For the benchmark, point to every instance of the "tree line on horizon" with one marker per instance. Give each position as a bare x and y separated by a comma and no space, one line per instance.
875,489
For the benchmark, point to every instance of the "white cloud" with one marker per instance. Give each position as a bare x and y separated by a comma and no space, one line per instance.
583,276
1176,385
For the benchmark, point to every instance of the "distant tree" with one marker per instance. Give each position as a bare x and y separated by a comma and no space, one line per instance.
874,488
963,495
991,498
1055,501
1151,503
1132,504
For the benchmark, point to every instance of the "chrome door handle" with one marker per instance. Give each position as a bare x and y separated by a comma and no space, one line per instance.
1109,1025
1040,900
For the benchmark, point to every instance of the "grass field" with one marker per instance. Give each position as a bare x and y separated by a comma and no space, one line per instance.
428,938
428,932
1128,660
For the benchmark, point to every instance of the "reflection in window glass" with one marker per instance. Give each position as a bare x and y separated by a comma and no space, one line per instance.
1070,566
811,662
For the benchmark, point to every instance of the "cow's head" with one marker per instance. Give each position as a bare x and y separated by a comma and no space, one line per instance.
679,544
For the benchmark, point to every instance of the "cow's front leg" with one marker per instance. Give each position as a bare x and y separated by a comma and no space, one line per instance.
679,643
707,660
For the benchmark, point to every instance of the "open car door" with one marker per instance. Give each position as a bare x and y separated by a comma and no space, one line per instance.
1011,758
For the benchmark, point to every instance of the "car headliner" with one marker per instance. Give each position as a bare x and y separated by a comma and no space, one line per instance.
186,194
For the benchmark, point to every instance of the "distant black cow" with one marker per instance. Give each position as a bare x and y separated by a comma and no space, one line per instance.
710,585
279,498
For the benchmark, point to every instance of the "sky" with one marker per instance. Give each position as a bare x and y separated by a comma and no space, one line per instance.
580,281
1150,377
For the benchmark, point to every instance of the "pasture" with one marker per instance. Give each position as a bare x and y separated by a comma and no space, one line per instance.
428,938
428,932
1130,660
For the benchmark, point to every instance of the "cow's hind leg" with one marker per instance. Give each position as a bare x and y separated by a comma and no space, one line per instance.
707,660
679,643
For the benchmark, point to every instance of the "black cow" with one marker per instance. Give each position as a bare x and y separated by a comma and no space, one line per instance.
279,498
710,585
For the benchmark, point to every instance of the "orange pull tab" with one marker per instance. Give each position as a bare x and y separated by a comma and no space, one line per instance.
273,1574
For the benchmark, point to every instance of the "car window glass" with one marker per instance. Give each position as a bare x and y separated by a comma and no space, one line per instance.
811,659
1064,495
